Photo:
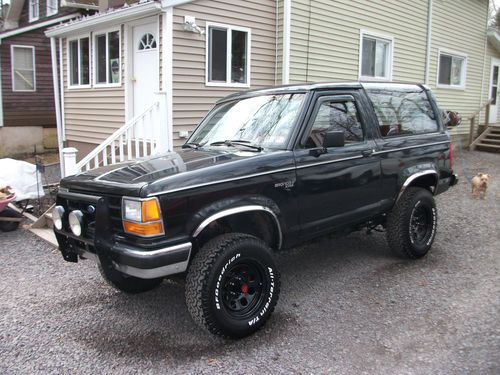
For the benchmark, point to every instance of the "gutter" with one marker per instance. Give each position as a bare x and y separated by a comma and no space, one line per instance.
111,17
38,25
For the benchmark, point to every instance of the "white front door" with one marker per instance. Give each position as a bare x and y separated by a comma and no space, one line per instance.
145,66
495,70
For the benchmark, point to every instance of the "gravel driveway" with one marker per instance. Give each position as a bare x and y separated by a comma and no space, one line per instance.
347,307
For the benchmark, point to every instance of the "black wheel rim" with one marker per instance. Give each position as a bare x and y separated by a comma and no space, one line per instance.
243,289
421,223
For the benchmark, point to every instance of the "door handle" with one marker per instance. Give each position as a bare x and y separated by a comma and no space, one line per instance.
367,153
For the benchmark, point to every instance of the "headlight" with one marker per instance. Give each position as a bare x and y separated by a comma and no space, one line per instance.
142,217
57,216
75,222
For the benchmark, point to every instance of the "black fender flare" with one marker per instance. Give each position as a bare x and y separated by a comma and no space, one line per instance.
411,174
233,206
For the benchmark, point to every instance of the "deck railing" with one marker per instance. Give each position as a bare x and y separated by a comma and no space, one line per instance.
140,137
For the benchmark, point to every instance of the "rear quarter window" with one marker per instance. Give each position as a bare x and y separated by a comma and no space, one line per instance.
403,112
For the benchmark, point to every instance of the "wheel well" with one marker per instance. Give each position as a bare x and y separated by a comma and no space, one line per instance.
256,223
427,181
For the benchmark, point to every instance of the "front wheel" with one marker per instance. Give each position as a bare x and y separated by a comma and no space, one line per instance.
233,285
412,223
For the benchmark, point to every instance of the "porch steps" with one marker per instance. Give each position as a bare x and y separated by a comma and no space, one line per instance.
488,141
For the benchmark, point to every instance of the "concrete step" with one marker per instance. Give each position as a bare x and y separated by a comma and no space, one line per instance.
45,234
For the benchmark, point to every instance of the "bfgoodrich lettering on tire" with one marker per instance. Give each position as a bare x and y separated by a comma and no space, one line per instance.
232,285
412,223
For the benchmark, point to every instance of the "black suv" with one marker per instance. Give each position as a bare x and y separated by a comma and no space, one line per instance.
265,170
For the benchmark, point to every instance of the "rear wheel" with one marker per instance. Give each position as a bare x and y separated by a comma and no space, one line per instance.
125,283
232,285
412,223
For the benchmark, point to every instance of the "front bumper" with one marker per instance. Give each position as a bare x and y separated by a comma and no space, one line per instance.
100,240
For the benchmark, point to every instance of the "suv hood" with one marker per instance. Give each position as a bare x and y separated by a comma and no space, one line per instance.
130,178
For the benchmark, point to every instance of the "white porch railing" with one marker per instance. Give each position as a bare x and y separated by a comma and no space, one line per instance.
142,136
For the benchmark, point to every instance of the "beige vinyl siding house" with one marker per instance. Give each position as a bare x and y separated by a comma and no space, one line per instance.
325,37
465,38
277,42
192,97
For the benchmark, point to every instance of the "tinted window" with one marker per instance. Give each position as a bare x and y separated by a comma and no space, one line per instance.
403,112
336,116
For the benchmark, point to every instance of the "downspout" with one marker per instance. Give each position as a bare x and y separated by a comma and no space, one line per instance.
287,25
1,92
168,79
55,82
429,42
484,58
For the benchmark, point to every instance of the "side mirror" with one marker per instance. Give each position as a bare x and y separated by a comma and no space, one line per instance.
334,139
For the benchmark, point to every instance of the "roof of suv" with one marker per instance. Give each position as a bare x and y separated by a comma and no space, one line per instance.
304,87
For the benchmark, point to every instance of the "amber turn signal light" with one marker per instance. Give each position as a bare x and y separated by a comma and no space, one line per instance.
150,211
143,230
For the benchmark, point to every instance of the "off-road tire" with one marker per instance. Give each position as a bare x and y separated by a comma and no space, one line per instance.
211,277
125,283
399,220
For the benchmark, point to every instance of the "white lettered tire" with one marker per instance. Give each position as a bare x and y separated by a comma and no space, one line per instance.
232,285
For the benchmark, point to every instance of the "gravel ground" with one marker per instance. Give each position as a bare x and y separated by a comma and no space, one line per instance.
347,307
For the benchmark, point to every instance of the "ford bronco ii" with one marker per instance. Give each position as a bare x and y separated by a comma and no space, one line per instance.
265,170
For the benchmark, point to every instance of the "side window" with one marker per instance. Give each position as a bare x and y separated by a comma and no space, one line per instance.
336,116
403,112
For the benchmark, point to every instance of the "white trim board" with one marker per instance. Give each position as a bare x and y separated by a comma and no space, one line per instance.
99,20
287,27
39,25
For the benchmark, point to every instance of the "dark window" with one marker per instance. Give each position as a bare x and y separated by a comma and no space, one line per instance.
336,116
403,112
228,46
73,62
84,61
451,70
239,57
101,59
218,55
108,68
375,57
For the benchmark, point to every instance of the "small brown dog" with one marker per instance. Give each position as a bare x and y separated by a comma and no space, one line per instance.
480,185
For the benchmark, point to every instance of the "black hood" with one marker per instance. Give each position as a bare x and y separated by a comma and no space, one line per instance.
166,171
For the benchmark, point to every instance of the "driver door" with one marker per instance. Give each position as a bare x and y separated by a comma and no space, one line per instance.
338,185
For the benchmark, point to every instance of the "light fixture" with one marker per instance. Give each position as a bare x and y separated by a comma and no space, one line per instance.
75,222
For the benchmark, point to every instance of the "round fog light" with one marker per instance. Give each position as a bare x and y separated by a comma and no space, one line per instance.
75,222
57,216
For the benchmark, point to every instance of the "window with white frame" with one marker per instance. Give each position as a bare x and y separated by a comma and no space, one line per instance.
451,70
79,62
107,67
23,68
228,55
375,57
34,10
52,7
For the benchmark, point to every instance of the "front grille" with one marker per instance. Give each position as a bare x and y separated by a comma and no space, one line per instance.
89,213
115,214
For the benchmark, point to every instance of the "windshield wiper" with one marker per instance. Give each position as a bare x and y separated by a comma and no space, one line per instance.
192,145
237,142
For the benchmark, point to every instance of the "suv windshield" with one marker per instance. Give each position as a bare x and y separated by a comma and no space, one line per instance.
264,121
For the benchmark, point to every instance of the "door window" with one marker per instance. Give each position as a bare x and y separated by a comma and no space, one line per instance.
335,115
494,85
